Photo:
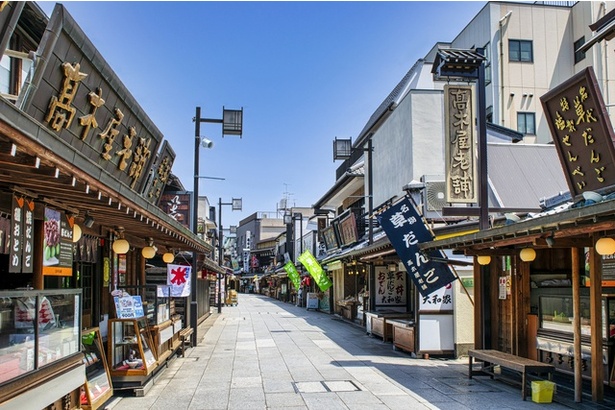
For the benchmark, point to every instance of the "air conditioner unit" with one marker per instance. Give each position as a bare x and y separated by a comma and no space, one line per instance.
433,196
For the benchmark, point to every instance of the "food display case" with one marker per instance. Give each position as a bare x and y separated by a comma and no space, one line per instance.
376,323
130,356
97,388
556,335
403,333
37,328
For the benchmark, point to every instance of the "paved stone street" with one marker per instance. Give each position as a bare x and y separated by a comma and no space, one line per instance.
265,354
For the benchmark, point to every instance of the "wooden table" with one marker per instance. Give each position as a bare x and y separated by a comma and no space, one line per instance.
519,364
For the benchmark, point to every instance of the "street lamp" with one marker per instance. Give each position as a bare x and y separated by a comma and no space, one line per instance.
232,124
236,205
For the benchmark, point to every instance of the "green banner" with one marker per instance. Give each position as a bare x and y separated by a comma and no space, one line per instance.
291,270
311,264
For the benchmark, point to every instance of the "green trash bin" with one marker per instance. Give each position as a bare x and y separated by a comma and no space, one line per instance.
542,391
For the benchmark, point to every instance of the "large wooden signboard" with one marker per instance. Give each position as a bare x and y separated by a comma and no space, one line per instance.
582,133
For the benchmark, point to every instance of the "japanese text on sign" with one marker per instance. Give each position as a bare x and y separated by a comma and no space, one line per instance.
405,230
460,160
582,133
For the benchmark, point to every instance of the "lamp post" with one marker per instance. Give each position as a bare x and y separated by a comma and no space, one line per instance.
236,204
232,124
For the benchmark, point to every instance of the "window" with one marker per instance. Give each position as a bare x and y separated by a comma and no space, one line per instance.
520,50
579,55
526,123
487,64
489,114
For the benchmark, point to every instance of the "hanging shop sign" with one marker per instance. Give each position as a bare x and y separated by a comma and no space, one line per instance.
405,229
16,237
291,270
177,205
57,243
20,235
348,230
178,278
313,267
80,99
459,145
329,235
582,133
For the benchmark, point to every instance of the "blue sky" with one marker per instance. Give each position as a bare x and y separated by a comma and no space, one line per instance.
304,73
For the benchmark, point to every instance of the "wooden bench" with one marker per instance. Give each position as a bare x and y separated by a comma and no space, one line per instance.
185,337
491,358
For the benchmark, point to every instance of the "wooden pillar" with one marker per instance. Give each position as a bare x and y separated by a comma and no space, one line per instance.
521,273
576,322
595,302
478,305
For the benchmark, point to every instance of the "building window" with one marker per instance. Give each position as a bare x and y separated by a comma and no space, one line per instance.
487,64
526,123
579,55
520,50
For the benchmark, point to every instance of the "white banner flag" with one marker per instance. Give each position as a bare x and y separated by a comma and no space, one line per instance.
179,279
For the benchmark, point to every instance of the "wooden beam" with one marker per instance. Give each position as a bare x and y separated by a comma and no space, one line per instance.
564,243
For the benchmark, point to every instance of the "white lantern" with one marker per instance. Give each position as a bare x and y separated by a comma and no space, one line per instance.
76,233
483,259
121,246
148,252
527,254
605,246
168,257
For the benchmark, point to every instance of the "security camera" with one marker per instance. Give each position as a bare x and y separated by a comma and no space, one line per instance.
206,143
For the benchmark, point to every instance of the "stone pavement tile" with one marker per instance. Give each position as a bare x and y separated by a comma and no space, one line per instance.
208,401
284,400
278,386
247,398
360,400
244,382
322,401
403,402
383,389
501,400
131,403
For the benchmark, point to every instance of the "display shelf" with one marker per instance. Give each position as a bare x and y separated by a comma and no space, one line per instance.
130,357
97,388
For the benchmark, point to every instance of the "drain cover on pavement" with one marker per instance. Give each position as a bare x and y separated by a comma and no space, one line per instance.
341,385
309,387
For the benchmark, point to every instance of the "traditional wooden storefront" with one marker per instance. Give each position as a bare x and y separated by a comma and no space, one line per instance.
82,168
540,291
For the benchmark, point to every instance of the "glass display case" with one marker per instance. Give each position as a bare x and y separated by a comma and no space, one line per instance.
556,334
97,388
130,356
37,328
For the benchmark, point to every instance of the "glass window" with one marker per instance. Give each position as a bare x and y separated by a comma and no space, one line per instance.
520,50
579,55
5,75
487,64
526,123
